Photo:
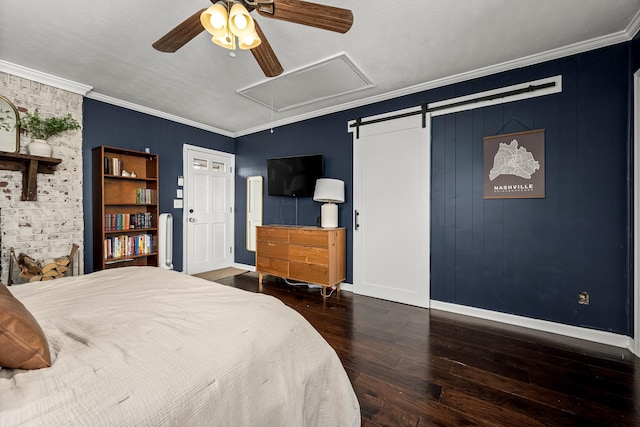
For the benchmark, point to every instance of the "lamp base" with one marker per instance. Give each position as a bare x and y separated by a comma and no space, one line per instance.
329,213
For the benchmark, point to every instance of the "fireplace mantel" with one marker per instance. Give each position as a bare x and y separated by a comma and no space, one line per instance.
30,166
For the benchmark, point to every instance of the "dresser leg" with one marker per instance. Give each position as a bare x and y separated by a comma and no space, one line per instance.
260,282
324,292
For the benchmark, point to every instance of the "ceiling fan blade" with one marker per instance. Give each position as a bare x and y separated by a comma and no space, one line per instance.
311,14
181,34
265,56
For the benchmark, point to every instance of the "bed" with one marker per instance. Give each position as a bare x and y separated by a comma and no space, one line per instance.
143,346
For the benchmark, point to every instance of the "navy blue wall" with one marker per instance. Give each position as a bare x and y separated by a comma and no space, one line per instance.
529,257
318,136
532,257
105,124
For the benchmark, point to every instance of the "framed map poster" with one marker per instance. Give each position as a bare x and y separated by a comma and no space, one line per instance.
514,165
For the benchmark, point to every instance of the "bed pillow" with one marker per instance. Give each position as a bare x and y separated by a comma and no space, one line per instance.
22,342
4,290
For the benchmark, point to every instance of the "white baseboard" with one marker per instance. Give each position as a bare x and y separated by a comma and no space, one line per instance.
344,286
602,337
244,266
587,334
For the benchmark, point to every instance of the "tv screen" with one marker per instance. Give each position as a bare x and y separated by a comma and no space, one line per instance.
294,176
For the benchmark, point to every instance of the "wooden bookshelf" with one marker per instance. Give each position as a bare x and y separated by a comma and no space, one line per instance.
125,208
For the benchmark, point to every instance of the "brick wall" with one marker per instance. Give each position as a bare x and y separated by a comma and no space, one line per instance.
48,226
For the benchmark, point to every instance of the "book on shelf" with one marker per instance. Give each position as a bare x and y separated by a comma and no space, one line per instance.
145,196
127,221
112,166
123,246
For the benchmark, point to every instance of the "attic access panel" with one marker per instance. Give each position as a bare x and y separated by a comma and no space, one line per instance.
323,80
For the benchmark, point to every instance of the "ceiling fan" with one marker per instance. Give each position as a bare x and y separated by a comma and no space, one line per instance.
297,11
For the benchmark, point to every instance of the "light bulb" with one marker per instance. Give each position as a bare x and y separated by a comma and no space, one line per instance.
217,21
240,21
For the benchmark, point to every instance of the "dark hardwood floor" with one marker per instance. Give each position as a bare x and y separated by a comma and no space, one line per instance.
416,367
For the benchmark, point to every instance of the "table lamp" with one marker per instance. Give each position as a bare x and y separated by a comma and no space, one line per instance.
329,191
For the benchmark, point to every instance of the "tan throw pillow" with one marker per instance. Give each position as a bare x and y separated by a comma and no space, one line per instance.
22,342
4,290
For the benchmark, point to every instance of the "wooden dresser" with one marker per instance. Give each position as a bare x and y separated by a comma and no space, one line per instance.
308,254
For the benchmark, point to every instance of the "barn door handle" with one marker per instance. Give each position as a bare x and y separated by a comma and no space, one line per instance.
357,224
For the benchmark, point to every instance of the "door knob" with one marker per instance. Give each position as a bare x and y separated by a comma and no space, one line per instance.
192,220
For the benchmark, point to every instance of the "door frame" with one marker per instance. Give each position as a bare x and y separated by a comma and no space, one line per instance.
186,148
634,344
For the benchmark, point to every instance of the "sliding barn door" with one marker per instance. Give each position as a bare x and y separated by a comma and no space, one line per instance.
391,218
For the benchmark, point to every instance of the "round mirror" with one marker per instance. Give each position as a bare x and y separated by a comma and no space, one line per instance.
9,132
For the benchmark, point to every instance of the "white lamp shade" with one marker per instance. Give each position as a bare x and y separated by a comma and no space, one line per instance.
329,190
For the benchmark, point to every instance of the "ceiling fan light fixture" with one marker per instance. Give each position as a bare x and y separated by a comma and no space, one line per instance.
240,22
250,41
215,19
227,41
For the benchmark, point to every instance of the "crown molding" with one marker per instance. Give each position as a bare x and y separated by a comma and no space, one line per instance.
157,113
619,37
596,43
633,27
44,78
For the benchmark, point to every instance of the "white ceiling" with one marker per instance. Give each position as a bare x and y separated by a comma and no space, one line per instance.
401,46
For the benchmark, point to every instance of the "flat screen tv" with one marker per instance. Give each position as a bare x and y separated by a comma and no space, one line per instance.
294,176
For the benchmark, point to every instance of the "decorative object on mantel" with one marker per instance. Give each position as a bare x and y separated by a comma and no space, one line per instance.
41,129
9,135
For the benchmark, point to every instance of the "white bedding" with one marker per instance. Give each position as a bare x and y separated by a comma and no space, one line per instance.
145,346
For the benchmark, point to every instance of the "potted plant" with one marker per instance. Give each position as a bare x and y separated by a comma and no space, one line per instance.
41,129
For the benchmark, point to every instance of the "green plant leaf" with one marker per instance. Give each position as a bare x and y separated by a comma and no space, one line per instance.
40,128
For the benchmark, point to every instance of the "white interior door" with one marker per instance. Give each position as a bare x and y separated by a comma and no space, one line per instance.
392,218
208,209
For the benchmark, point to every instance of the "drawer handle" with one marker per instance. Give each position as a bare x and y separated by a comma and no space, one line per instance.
271,244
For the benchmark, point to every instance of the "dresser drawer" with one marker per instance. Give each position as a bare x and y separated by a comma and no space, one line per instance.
277,267
311,273
273,249
273,234
309,237
309,254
